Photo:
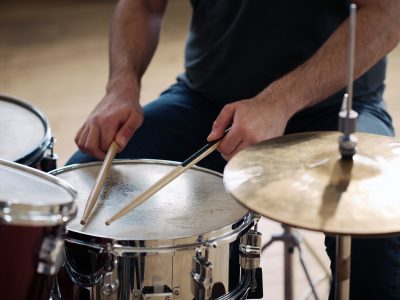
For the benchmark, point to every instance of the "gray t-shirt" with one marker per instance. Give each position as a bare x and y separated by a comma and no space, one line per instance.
236,48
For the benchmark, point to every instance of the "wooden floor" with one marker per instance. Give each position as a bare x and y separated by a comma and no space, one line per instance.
54,55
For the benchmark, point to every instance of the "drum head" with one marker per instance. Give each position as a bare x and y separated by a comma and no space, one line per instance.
193,204
33,198
24,133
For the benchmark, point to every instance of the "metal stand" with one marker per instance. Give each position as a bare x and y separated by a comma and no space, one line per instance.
290,241
347,149
343,259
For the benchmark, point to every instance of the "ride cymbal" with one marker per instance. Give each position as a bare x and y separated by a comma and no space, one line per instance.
301,180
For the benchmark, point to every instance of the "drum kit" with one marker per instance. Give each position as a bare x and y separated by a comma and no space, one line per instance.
191,239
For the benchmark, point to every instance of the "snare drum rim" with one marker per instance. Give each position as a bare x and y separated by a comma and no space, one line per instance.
37,215
35,155
222,235
213,239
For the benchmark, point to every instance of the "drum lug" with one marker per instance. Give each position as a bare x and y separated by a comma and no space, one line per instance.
202,274
49,161
112,260
50,255
110,284
250,250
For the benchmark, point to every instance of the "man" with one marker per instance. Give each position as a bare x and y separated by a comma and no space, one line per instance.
265,67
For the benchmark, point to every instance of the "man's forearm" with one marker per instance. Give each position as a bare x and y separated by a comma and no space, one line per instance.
378,32
134,36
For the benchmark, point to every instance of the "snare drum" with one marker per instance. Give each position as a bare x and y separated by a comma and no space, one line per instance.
188,241
34,208
24,133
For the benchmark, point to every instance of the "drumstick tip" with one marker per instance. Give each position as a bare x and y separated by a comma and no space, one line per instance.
108,222
83,222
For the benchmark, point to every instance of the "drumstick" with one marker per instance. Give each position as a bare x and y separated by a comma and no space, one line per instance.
196,157
101,177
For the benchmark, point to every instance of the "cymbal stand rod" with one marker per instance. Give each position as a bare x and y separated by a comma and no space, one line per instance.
343,259
288,264
347,116
350,57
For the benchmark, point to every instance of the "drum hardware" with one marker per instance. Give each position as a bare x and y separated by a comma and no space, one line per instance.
347,125
291,241
251,274
249,260
347,149
250,254
49,161
50,255
250,250
110,284
104,272
202,270
55,292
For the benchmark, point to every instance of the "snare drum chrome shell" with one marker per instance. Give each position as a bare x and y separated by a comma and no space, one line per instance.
185,238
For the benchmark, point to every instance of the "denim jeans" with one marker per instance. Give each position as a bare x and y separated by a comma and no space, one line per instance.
178,122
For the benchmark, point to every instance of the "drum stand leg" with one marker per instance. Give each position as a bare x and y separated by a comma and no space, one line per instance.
291,241
342,278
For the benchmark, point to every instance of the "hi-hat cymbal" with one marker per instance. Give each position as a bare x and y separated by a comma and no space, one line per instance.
301,180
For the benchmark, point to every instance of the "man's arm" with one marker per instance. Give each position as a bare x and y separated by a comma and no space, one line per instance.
134,37
378,32
266,115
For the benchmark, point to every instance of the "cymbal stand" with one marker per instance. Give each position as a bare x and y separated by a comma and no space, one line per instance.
291,241
347,149
342,277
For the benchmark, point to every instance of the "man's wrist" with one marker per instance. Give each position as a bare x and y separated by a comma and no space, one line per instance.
279,96
122,78
123,83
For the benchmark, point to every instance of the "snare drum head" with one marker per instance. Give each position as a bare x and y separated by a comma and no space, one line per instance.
23,131
33,198
193,204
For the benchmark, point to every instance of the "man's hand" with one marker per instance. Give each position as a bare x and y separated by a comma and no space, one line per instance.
115,117
253,120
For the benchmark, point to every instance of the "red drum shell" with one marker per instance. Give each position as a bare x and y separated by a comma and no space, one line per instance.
20,249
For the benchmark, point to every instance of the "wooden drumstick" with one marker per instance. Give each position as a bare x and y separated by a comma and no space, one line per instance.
101,177
196,157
